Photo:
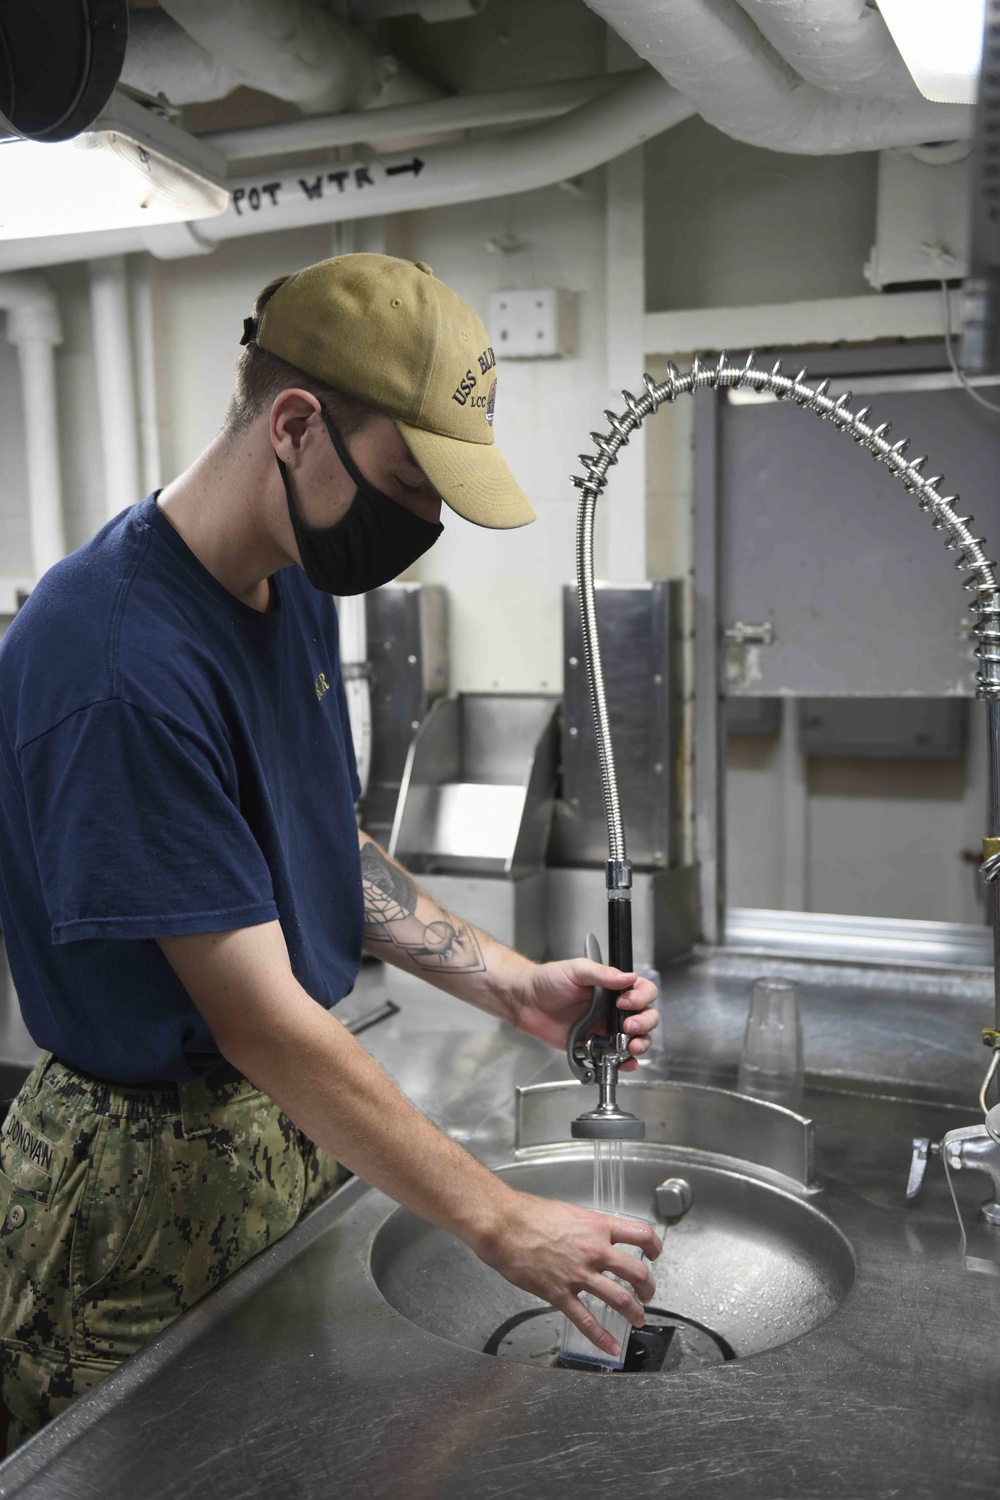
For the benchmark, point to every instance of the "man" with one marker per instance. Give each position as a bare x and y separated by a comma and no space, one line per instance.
183,888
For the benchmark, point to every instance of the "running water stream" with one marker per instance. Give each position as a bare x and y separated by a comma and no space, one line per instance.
609,1176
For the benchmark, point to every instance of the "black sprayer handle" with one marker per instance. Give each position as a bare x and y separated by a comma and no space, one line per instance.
619,956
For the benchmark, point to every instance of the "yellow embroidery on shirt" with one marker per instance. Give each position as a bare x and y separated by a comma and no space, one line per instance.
322,686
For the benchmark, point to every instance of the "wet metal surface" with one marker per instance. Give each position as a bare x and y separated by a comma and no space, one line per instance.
917,1030
675,1113
749,1261
300,1379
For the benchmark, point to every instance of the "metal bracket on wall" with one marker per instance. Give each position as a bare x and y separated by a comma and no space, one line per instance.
742,654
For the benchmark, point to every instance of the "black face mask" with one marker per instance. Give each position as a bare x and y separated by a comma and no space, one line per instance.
372,544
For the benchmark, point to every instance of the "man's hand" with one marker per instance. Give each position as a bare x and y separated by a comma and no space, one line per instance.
267,1026
556,1251
407,927
551,998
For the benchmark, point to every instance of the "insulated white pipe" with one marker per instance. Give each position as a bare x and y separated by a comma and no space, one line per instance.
341,67
597,132
354,661
161,58
293,49
840,45
112,336
145,363
34,328
713,54
533,101
635,110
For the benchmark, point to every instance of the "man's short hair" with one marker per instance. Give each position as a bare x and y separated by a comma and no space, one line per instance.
261,377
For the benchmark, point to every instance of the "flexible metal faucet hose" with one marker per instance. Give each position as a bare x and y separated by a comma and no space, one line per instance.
980,572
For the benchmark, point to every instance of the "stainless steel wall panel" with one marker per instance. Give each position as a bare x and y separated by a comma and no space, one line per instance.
479,784
664,913
407,653
513,911
640,635
709,708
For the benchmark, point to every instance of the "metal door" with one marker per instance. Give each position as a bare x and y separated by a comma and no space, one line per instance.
831,581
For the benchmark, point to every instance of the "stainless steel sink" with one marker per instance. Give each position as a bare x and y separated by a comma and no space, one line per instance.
303,1377
755,1264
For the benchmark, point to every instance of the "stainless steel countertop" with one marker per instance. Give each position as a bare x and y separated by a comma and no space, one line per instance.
298,1379
917,1030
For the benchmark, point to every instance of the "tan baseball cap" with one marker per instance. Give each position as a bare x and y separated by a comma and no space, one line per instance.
390,333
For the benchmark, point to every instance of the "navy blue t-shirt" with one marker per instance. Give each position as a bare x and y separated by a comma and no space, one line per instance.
171,761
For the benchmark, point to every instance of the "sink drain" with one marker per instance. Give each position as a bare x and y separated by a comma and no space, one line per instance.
668,1343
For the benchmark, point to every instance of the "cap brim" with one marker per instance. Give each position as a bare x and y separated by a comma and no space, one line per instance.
470,477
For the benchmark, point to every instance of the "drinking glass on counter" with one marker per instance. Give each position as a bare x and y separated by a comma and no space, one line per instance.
771,1062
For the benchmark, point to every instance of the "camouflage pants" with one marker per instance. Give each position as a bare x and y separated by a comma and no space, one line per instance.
119,1208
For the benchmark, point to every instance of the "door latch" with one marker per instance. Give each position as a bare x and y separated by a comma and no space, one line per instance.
742,650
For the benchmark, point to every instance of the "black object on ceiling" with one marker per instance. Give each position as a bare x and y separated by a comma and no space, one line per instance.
59,62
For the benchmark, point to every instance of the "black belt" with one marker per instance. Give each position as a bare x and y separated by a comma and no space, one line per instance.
216,1077
223,1072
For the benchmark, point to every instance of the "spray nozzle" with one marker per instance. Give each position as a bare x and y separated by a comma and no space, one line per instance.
596,1059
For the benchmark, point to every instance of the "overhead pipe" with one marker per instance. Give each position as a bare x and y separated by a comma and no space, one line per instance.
141,287
165,58
533,101
35,330
112,342
293,49
161,58
465,172
713,54
843,46
634,111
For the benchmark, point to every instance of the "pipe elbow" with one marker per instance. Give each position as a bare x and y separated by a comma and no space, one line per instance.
838,45
712,52
293,50
820,124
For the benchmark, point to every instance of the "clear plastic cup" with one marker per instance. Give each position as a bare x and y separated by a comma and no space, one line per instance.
771,1061
576,1347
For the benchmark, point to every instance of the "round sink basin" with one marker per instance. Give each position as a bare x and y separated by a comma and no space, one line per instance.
751,1264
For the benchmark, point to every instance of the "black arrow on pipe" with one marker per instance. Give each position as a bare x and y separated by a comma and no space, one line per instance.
416,166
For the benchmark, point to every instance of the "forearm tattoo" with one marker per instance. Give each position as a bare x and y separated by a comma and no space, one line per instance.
444,943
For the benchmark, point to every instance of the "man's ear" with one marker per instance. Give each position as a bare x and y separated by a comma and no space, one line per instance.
294,414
